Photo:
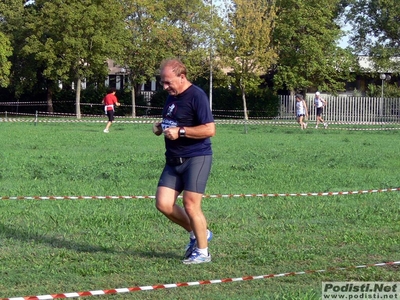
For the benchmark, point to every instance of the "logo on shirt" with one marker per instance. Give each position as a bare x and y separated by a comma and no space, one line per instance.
170,110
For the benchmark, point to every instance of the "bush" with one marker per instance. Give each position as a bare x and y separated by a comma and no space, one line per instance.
263,103
389,90
260,103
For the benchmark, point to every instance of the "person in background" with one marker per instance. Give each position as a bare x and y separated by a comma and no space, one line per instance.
319,104
187,125
301,111
109,101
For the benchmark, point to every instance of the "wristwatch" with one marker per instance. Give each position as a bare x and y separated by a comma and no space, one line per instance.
182,132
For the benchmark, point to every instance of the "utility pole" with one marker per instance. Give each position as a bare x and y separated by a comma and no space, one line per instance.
211,56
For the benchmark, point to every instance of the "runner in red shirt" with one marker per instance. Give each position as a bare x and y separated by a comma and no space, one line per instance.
109,101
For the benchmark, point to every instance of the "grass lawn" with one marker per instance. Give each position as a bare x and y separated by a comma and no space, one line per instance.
60,246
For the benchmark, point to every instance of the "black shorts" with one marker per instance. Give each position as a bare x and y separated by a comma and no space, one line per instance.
319,111
110,115
301,115
190,175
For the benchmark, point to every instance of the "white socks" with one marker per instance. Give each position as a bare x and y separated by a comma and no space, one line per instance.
203,251
192,236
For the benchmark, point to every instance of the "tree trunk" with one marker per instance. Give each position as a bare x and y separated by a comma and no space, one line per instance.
78,99
49,98
133,101
246,116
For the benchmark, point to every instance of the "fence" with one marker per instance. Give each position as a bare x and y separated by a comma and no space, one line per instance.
347,109
338,109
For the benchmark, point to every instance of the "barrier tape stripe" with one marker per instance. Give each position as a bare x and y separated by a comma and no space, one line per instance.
22,103
236,119
257,120
204,196
220,122
215,113
143,122
193,283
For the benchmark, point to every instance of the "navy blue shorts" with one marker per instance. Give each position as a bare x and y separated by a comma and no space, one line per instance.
191,175
319,111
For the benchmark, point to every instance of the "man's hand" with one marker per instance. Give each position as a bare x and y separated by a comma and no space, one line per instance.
172,133
157,130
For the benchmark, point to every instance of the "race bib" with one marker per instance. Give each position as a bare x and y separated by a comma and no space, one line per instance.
168,123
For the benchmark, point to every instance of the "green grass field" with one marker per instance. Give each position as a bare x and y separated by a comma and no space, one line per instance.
60,246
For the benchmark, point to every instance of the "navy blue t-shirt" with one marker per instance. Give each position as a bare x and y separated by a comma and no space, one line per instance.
190,108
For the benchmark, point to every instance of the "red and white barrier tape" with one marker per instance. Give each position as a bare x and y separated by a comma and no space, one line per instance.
205,196
31,103
231,119
150,121
153,118
193,283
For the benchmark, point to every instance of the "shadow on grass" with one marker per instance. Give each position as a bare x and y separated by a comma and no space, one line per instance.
62,243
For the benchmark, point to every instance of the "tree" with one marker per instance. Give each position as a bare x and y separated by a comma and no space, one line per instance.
189,28
248,49
71,40
306,35
376,26
164,28
11,26
147,41
5,64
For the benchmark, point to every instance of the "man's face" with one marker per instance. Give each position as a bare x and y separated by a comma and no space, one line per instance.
170,82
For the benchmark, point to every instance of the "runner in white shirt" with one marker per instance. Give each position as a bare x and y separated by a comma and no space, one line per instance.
319,104
301,111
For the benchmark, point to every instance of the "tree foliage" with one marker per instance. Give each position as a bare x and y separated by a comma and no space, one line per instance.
306,35
5,64
248,49
71,40
11,24
144,39
294,42
158,29
376,31
10,11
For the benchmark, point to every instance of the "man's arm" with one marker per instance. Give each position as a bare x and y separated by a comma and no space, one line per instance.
201,131
196,132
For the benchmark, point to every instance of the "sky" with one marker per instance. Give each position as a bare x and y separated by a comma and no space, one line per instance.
344,42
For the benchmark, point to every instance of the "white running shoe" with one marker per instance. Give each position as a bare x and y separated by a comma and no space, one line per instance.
105,131
325,125
197,258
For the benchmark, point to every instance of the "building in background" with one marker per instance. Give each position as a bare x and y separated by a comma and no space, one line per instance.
117,78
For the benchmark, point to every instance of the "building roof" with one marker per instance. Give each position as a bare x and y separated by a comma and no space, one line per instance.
367,64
